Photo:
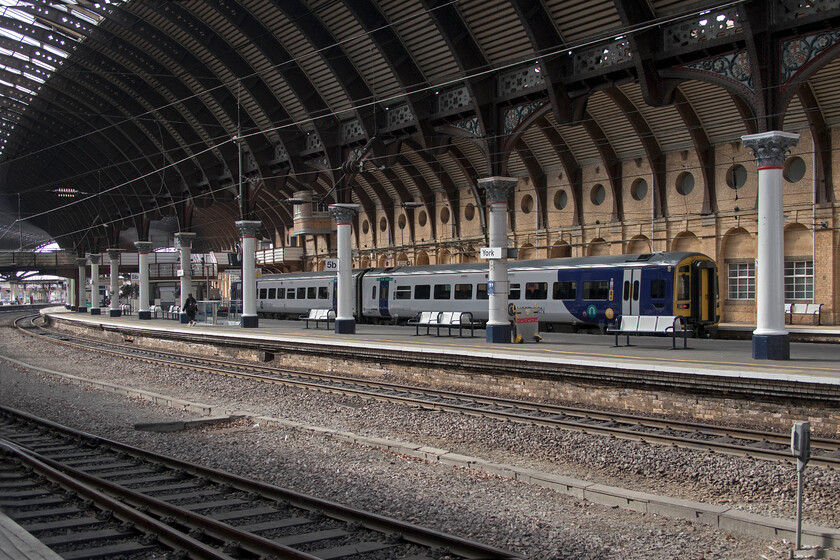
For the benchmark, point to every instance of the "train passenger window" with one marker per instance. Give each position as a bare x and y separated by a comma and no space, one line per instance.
463,291
310,292
625,293
323,292
597,289
536,290
290,293
565,290
301,293
657,289
272,293
443,291
281,293
402,292
636,290
263,293
481,292
373,292
683,286
422,292
515,291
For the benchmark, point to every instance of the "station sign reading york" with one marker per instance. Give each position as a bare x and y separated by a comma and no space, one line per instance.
492,253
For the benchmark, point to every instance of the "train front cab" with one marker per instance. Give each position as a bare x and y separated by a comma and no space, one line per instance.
696,293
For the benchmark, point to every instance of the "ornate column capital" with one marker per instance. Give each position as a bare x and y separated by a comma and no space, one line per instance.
143,247
81,261
184,239
770,148
114,254
498,189
343,213
94,259
248,228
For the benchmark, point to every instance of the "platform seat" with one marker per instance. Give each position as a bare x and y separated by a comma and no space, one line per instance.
650,324
448,320
812,309
319,316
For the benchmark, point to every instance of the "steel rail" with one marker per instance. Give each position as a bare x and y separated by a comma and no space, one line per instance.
410,533
87,486
621,425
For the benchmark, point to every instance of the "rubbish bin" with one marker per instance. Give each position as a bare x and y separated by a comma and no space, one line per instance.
526,325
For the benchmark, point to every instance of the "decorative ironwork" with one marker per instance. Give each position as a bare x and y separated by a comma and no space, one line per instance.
709,26
515,115
470,125
352,130
453,99
280,153
400,115
313,142
796,9
770,148
603,56
798,52
498,189
519,80
735,66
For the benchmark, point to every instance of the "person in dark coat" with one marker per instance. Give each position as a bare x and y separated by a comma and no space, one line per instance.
190,307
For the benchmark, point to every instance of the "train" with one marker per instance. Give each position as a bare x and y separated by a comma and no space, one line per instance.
581,292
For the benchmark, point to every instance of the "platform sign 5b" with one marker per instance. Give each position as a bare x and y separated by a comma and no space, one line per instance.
492,253
331,265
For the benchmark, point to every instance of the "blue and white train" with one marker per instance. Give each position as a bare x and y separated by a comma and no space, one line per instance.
585,291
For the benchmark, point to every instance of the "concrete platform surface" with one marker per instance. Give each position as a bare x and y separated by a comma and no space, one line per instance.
810,362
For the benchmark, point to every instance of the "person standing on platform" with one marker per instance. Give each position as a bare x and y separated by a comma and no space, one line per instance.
190,307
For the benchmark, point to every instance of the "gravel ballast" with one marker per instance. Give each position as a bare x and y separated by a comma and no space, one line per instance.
536,522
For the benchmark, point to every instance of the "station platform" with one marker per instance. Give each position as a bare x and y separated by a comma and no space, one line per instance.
812,363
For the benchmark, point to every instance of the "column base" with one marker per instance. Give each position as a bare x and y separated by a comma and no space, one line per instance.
115,312
183,318
144,315
250,321
96,311
771,346
81,309
345,326
498,333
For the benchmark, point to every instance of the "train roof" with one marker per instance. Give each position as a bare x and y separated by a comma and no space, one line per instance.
642,259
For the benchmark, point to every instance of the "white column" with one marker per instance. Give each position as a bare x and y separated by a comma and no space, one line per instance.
498,191
114,290
249,228
70,294
345,323
771,340
94,284
143,250
82,285
184,240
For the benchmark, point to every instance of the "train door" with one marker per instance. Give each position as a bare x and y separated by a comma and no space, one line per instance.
630,291
384,291
704,293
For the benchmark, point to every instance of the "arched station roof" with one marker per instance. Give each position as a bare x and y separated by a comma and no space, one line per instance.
116,114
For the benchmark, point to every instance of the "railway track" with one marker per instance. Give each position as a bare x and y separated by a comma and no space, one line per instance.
736,441
87,497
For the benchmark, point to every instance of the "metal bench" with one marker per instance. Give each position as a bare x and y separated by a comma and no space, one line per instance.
319,316
812,309
173,312
650,324
443,320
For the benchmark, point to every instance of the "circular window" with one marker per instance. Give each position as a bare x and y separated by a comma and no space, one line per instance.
383,224
639,189
421,218
527,204
561,199
685,183
401,221
365,227
598,194
469,212
444,215
736,176
794,169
